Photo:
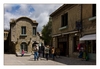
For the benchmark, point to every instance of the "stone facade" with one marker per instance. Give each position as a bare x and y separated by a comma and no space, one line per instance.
23,38
67,37
89,26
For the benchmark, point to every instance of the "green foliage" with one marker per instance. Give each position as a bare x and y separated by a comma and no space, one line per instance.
46,32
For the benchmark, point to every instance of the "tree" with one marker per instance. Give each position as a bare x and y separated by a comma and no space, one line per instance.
46,32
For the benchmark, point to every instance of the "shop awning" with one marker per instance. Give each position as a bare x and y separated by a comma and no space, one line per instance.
88,37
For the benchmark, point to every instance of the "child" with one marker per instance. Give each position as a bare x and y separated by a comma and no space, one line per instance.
22,53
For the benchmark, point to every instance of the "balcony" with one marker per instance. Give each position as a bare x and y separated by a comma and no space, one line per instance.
92,18
63,28
23,35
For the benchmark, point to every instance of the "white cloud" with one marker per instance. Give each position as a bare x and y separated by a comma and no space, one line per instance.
40,13
42,20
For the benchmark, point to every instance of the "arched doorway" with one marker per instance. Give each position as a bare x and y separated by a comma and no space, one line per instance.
24,47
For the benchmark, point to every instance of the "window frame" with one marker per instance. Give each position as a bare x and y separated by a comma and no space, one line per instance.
23,30
34,30
64,19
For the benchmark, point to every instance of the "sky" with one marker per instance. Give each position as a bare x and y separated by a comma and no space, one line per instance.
38,12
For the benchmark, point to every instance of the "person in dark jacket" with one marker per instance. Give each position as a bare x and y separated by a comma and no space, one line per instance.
42,51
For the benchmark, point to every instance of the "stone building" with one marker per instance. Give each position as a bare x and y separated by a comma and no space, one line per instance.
65,34
23,35
70,23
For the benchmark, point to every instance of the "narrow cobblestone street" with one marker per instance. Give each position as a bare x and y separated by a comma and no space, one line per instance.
11,59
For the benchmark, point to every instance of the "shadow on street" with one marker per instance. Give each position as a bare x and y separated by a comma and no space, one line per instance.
74,61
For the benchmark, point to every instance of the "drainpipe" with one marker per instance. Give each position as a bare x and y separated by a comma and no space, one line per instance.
81,21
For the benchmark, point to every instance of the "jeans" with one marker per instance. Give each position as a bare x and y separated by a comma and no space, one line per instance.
22,55
47,56
53,56
36,55
80,54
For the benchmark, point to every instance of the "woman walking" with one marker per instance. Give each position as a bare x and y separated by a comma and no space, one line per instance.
53,53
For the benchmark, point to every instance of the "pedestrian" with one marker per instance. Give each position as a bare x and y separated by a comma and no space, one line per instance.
39,52
35,53
47,52
53,53
57,52
22,53
82,51
80,48
42,51
50,52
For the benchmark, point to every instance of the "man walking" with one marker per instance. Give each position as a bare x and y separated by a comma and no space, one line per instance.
35,53
47,52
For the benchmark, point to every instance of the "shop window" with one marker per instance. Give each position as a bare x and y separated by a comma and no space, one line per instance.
88,43
94,46
64,20
91,46
75,43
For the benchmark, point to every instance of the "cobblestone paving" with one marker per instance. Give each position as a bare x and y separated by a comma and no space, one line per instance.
10,59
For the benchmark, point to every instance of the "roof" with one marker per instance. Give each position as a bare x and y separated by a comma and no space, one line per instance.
6,30
15,20
60,8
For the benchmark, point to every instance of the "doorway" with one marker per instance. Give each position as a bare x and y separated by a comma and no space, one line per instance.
24,47
63,45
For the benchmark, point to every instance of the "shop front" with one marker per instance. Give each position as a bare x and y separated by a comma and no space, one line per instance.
63,45
90,41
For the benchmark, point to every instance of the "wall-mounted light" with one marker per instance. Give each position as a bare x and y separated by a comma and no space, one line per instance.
75,34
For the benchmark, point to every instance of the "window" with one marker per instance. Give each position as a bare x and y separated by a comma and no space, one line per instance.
88,44
34,30
94,10
23,30
75,43
64,20
91,46
78,25
6,35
